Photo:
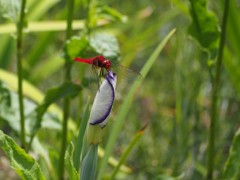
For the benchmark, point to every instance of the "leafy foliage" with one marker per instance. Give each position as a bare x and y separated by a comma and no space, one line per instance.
23,163
98,43
105,44
9,106
76,46
204,27
67,89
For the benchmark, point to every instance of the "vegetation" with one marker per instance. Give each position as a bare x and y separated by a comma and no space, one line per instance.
179,120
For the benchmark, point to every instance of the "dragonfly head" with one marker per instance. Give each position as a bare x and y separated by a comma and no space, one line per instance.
107,64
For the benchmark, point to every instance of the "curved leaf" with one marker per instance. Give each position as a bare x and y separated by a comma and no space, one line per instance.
67,89
106,45
25,166
76,46
204,27
32,93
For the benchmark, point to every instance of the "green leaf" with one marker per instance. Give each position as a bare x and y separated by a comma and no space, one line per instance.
232,166
33,93
82,129
119,121
67,89
76,46
109,13
89,165
9,107
10,9
105,44
25,166
204,27
69,163
99,43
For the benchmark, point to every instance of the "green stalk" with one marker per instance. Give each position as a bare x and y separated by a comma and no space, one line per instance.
89,164
66,101
215,94
20,25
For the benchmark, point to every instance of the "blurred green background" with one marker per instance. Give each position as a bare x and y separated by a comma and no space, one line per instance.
174,98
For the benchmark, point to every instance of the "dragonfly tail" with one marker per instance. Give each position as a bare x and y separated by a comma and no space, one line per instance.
87,61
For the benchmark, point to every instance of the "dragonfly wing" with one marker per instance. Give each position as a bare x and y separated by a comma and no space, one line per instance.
125,72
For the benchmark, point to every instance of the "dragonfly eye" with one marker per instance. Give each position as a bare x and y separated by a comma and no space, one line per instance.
107,64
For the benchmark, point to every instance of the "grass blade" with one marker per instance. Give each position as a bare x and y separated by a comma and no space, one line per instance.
46,26
77,153
232,166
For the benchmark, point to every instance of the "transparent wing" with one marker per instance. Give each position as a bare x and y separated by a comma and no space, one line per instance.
125,73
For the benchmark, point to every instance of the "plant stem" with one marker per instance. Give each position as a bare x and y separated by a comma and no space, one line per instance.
20,25
89,164
66,101
215,94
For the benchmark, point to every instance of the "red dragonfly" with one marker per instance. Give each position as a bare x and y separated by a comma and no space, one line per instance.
105,65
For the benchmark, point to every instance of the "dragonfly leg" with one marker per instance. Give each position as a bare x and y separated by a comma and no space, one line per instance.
102,72
96,72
